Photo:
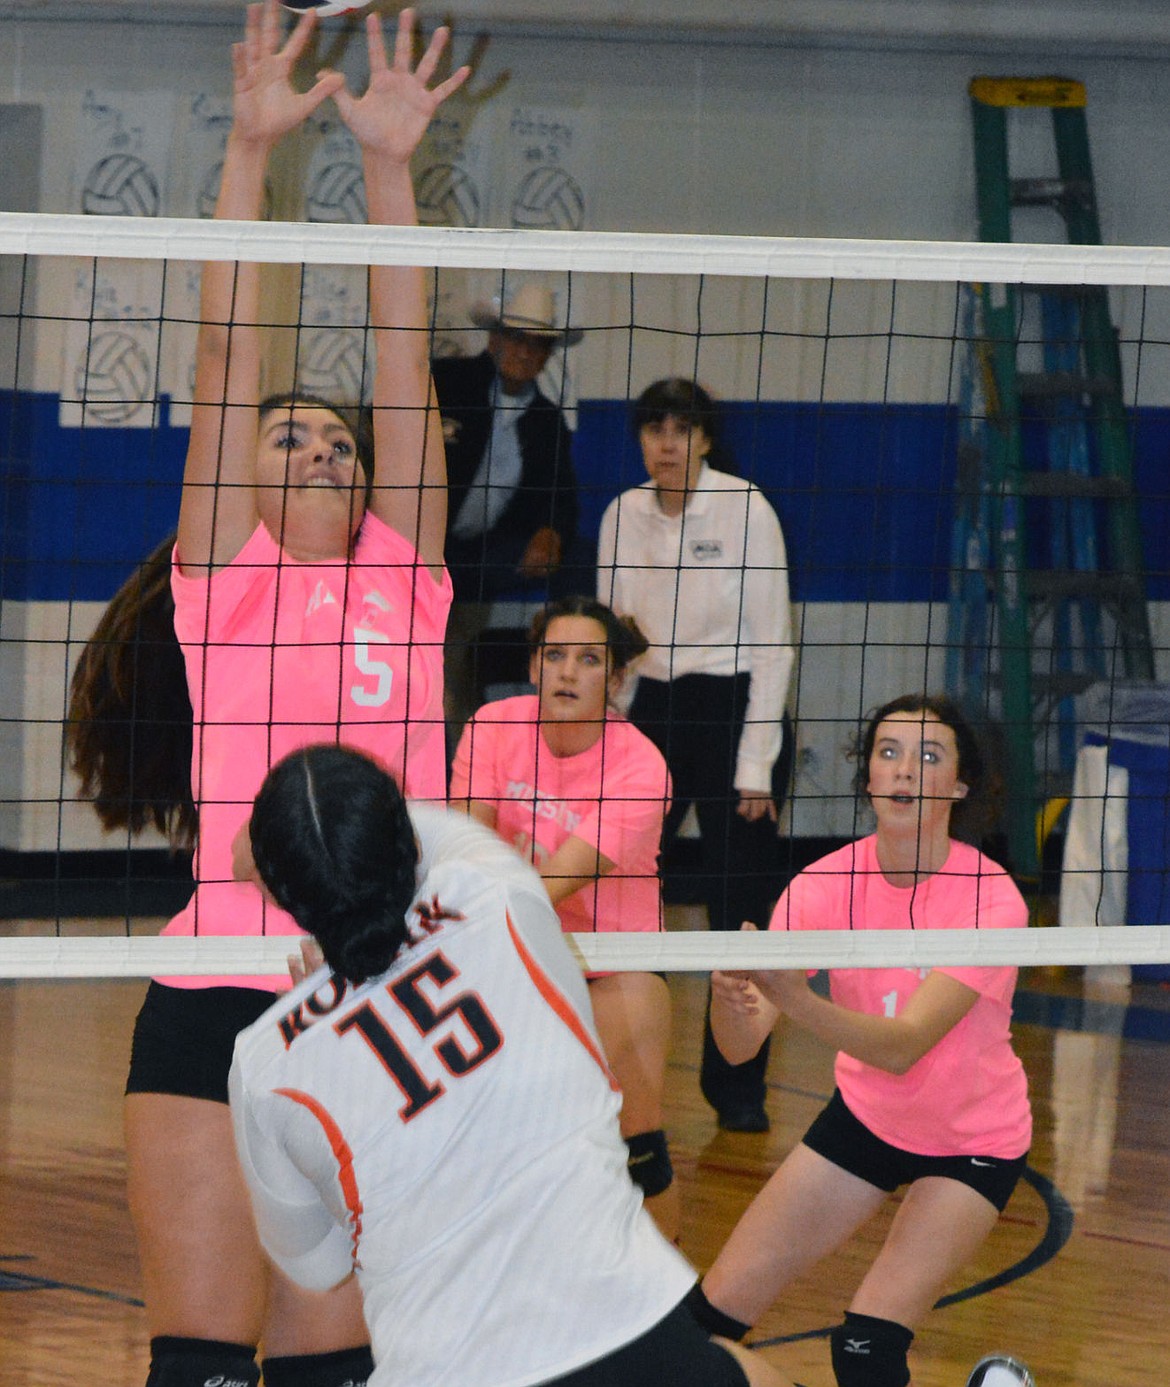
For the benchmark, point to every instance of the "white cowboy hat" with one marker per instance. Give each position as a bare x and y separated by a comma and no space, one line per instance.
530,309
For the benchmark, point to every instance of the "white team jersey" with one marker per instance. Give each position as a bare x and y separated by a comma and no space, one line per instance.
449,1131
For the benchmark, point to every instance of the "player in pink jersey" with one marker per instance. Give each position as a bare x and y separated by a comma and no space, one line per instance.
580,792
930,1094
432,1113
310,601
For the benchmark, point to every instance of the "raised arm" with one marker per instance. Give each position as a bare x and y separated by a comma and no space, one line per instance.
410,481
218,508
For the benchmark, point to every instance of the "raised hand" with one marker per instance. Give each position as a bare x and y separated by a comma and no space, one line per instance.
265,104
391,117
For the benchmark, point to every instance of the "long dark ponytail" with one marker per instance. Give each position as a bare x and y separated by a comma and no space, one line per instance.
129,728
334,845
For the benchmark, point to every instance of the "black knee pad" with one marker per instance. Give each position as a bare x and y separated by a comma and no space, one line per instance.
649,1164
348,1367
870,1352
178,1362
710,1318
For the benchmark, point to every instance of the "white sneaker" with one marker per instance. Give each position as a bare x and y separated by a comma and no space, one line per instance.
1000,1370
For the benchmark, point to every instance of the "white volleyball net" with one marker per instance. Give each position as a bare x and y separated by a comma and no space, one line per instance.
855,391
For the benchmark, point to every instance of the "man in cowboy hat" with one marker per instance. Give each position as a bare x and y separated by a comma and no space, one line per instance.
512,493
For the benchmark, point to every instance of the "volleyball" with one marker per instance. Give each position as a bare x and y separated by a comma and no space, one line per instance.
549,200
324,8
120,185
333,365
447,196
1000,1370
115,379
337,194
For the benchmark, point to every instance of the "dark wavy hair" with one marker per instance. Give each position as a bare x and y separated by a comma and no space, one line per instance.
333,843
976,814
623,639
128,727
675,397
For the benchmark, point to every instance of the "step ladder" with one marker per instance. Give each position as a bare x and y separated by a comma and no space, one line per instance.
1048,588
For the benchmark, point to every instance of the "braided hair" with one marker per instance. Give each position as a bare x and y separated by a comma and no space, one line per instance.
333,843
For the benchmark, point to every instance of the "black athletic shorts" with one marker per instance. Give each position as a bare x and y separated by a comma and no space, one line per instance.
676,1350
841,1138
184,1037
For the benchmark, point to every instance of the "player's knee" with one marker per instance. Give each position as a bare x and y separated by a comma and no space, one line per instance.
350,1367
870,1352
178,1362
649,1162
710,1318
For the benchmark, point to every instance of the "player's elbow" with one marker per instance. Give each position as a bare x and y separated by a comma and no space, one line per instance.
902,1051
898,1065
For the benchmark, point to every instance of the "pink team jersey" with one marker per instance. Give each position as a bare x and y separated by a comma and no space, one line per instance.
614,796
968,1095
281,654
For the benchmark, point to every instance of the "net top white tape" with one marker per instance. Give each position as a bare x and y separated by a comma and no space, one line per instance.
674,951
178,238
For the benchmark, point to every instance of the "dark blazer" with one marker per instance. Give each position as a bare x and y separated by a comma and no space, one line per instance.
547,494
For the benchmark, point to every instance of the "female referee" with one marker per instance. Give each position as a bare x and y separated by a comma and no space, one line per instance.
930,1094
580,792
310,602
696,556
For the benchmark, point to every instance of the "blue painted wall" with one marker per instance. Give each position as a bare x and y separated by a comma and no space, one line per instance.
864,493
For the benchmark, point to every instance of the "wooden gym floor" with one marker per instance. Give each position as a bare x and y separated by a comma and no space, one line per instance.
1073,1280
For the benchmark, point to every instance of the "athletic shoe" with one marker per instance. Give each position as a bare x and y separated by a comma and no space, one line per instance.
743,1120
1000,1370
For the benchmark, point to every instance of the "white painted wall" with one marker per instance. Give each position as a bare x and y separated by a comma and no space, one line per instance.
774,128
826,119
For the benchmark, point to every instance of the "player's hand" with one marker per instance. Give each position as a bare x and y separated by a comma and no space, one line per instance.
393,114
783,987
736,991
265,104
755,805
735,987
310,958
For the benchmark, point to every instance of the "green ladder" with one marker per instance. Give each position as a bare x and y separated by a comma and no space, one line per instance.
1046,514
